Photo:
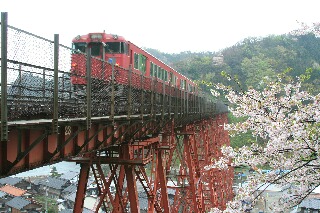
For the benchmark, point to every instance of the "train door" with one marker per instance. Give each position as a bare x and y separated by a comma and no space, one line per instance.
126,56
131,57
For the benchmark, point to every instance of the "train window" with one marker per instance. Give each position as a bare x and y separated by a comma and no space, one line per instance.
183,84
159,73
165,75
151,69
95,49
155,68
126,48
116,47
136,60
142,63
79,47
171,78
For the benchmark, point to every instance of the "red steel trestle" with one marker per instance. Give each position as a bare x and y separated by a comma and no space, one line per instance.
166,169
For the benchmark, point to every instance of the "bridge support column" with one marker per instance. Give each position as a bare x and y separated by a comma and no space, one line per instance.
120,200
163,183
82,186
132,189
3,157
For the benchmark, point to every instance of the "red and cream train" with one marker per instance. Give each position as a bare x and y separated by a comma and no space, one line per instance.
122,53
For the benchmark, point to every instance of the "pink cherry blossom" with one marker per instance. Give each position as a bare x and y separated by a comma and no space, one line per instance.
288,120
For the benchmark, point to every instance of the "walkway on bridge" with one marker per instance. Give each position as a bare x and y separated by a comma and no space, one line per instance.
130,129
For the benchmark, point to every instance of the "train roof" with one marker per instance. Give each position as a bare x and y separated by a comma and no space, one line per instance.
98,36
161,61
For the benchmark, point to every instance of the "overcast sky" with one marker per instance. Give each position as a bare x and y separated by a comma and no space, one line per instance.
170,26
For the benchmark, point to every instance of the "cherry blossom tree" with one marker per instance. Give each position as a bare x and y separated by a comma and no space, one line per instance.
306,28
288,120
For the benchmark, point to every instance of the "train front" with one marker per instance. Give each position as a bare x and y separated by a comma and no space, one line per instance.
112,48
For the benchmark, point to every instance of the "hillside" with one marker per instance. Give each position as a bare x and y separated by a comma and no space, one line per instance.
252,60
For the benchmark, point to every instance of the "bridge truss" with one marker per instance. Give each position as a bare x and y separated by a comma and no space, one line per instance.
145,137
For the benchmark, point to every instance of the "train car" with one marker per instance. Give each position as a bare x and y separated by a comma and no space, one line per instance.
118,51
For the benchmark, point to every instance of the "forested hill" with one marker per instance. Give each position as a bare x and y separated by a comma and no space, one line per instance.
252,60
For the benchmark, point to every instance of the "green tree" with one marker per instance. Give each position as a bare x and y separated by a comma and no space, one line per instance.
54,172
256,69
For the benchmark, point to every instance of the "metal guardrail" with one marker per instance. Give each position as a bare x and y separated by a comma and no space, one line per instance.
36,84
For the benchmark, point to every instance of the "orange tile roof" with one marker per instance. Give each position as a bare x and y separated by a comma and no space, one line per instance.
11,190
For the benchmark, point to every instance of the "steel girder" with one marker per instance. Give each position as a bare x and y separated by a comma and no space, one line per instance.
165,170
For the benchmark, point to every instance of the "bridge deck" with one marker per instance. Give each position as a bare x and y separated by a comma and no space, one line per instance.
129,120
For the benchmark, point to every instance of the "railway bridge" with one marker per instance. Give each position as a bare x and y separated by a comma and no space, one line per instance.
133,131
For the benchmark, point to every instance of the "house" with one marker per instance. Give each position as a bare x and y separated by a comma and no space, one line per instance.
10,181
92,188
52,186
13,191
19,204
3,199
70,199
7,193
15,181
85,210
89,202
143,199
310,205
72,176
70,189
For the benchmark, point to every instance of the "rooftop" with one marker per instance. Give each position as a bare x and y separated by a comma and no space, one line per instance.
69,175
11,190
10,180
2,194
70,189
310,203
18,203
52,182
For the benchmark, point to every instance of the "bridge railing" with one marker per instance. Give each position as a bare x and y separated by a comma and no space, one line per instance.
40,85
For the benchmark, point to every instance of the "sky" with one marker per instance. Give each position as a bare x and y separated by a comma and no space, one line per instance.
170,26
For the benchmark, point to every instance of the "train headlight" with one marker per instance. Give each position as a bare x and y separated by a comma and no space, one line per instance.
73,66
96,36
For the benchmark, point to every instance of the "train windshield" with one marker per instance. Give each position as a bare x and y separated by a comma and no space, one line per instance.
95,49
116,47
80,47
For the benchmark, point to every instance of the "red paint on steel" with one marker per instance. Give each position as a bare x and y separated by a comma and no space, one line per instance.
194,146
82,184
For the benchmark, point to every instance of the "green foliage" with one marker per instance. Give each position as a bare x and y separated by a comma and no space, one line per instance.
239,140
256,69
255,59
51,203
54,172
252,63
